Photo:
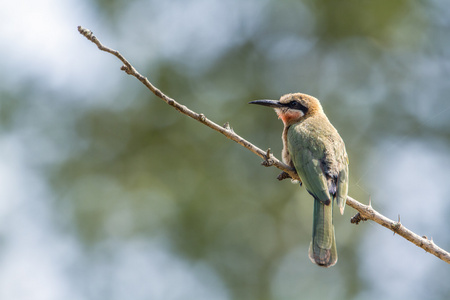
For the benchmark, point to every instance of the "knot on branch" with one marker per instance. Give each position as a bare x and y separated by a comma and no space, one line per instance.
126,70
357,218
202,117
396,225
228,127
268,161
160,95
170,101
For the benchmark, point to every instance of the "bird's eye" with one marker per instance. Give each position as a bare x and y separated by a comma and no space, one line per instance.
297,106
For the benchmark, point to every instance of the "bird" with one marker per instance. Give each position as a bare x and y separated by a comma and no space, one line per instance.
314,148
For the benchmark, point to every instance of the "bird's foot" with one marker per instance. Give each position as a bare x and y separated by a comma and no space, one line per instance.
283,175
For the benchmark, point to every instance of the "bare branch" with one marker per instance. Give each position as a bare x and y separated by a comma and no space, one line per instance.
365,212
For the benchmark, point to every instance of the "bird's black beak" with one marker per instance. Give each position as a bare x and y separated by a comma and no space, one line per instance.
269,103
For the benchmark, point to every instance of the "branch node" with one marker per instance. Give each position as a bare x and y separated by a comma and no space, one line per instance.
126,70
357,218
268,161
396,225
170,101
202,117
228,127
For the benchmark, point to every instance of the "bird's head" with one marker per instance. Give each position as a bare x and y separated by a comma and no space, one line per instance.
292,108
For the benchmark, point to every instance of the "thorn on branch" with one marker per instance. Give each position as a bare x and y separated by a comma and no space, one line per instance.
396,226
430,240
357,218
228,127
268,161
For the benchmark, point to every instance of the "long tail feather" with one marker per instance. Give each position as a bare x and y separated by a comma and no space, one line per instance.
322,250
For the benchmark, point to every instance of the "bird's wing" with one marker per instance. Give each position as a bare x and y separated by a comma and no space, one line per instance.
342,186
306,156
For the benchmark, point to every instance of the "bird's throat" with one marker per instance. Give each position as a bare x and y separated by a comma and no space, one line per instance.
289,117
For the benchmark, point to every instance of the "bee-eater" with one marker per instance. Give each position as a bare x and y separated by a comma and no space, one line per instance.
315,149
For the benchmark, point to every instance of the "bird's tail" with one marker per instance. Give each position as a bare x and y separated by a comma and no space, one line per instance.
322,250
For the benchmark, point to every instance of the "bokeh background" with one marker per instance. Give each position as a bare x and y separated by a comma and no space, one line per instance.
106,192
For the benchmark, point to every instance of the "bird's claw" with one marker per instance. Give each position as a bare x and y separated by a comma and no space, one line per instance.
283,175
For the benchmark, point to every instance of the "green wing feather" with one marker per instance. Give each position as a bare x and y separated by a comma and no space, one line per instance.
306,158
342,188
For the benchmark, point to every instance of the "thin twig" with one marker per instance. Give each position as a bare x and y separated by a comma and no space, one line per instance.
366,212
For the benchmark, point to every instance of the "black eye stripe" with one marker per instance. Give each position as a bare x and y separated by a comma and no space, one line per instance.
298,106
